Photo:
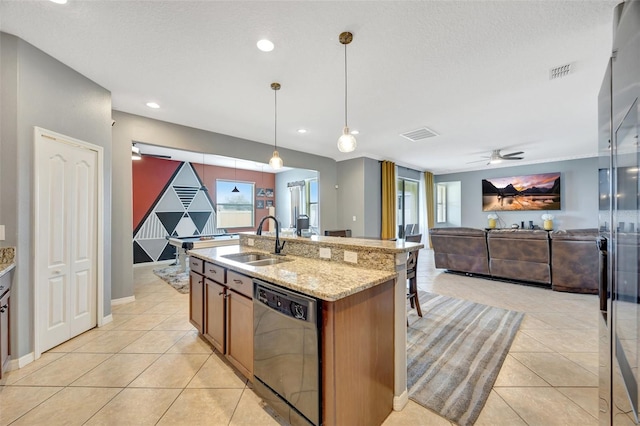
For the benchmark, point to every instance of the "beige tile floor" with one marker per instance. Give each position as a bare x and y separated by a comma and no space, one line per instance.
150,367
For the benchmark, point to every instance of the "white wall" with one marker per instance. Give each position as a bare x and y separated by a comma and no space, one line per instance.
38,90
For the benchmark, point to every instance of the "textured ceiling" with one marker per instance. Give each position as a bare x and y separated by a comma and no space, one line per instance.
475,72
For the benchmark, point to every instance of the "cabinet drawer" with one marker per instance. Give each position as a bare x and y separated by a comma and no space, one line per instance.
195,264
240,283
215,273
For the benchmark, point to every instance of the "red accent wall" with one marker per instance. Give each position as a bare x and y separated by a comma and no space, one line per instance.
150,175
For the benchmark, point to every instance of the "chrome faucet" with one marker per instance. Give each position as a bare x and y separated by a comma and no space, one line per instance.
259,232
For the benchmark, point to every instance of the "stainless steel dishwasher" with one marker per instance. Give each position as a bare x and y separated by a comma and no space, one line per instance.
286,360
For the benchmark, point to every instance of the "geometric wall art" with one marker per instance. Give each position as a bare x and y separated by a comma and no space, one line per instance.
180,209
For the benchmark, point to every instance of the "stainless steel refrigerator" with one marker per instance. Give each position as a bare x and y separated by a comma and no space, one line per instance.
619,217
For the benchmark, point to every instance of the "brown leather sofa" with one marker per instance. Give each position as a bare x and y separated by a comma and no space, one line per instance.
574,260
520,254
460,249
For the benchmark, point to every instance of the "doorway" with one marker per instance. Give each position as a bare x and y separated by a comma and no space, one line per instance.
68,242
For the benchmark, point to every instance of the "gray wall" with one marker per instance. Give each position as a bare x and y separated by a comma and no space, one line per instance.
38,90
579,194
283,200
359,195
130,128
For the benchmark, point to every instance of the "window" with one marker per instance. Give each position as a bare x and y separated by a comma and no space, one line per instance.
441,203
235,209
408,207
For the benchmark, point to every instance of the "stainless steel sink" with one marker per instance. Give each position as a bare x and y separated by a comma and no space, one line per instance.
256,259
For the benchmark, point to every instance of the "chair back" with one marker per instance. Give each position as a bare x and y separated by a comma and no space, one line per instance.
412,258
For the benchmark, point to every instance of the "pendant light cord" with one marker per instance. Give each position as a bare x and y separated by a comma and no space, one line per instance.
275,113
345,86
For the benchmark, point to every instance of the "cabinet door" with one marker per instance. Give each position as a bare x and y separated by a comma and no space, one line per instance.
214,327
196,301
240,333
4,331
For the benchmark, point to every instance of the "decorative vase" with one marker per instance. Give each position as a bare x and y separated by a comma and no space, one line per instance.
547,225
492,223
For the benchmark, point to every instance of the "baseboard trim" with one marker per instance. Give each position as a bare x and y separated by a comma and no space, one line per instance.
400,401
15,364
106,320
123,300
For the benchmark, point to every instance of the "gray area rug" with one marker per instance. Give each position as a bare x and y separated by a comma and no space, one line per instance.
175,276
455,352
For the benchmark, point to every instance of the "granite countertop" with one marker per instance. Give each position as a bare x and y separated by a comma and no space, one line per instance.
7,259
318,278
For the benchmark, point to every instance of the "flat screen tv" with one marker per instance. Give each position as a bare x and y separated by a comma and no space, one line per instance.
515,193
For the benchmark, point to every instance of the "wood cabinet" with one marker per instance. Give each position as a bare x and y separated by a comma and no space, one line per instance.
240,332
221,308
215,309
357,357
5,296
196,300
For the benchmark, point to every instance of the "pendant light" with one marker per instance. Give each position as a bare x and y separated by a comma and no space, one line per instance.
235,176
346,142
275,162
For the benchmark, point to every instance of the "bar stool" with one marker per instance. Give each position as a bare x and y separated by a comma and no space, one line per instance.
412,266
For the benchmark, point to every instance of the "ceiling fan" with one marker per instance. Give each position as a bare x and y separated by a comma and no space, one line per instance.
496,157
137,155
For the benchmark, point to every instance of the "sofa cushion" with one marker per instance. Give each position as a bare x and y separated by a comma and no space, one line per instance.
574,260
520,255
460,249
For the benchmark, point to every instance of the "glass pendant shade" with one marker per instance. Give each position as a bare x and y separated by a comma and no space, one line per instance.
276,162
346,142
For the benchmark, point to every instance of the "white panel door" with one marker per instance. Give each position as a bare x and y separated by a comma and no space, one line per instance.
66,265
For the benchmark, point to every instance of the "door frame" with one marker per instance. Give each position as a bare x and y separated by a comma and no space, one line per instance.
39,136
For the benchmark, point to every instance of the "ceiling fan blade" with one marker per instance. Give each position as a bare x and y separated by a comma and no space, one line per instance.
476,161
155,155
513,158
513,154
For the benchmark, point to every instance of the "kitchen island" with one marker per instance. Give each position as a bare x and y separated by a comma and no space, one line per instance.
360,286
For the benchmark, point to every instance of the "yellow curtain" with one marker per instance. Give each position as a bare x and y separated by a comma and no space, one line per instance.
388,230
428,186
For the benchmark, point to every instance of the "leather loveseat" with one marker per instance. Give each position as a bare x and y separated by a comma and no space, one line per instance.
520,254
460,249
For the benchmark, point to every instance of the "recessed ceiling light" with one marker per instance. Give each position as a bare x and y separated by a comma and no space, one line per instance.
355,132
265,45
153,105
59,1
302,130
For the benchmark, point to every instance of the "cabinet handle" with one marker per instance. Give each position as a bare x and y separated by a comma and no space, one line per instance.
237,281
4,308
221,293
213,271
57,273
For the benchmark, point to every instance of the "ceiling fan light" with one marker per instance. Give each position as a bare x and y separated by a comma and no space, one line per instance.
347,142
276,162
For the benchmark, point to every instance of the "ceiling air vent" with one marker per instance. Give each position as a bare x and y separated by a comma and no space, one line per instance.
419,134
559,72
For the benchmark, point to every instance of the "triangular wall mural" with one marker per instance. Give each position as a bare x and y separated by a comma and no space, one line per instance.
181,210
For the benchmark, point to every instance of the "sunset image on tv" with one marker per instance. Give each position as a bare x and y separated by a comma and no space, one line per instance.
530,192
